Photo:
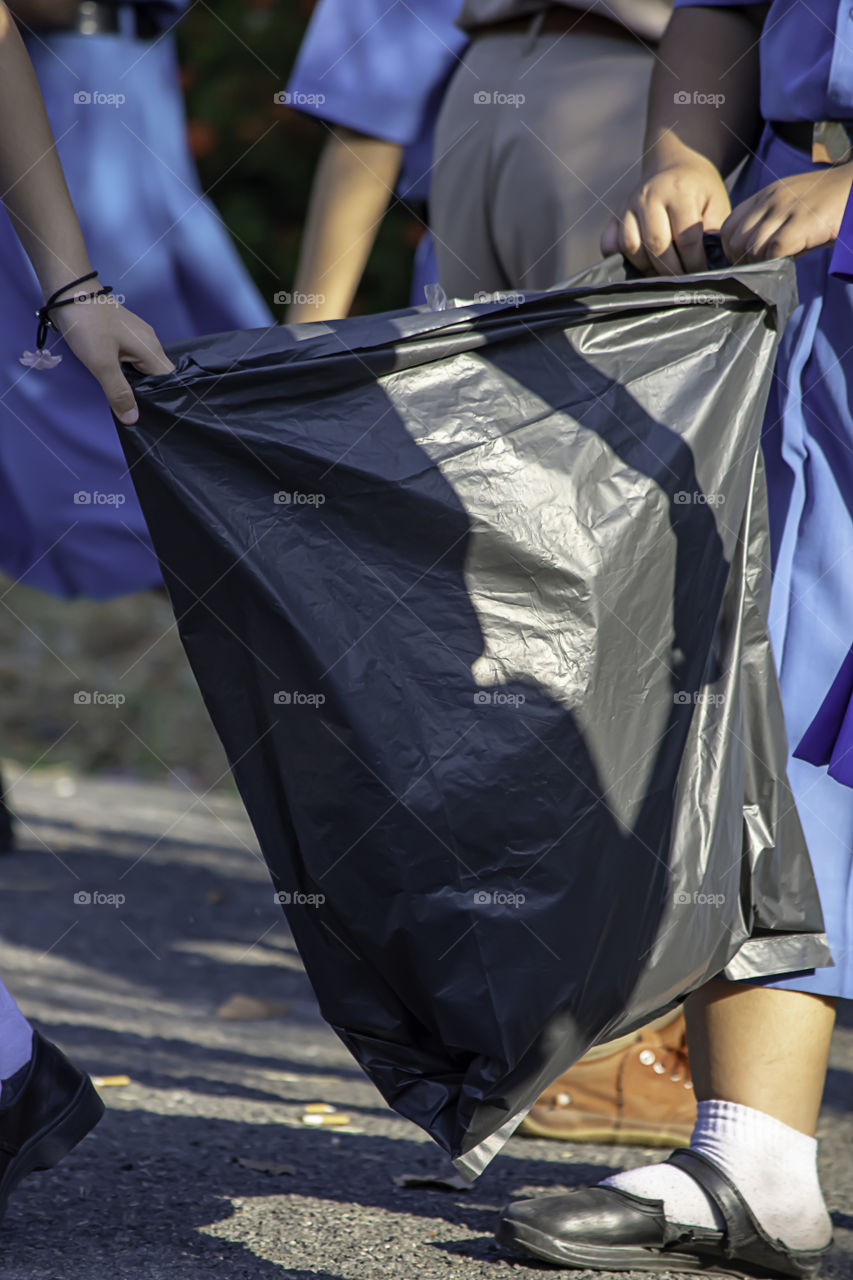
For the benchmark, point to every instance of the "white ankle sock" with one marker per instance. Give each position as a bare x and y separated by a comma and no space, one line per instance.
772,1165
16,1038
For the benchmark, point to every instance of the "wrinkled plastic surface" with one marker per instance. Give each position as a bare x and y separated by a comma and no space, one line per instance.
476,601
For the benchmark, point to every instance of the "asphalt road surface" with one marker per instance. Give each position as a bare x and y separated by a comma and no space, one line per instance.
202,1165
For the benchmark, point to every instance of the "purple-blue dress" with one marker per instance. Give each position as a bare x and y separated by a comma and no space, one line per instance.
829,738
807,75
70,523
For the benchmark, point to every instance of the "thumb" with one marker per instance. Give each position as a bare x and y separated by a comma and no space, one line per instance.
610,237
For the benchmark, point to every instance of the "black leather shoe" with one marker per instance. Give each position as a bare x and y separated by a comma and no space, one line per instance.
607,1229
52,1110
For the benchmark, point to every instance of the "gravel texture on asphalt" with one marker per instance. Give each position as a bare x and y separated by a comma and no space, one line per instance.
159,1191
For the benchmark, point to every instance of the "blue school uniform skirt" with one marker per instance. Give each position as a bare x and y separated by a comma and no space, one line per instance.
808,447
69,520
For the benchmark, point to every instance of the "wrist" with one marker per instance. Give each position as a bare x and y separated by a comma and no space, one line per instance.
667,151
841,178
55,280
46,14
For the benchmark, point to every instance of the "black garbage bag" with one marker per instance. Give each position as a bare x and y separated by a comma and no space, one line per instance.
476,601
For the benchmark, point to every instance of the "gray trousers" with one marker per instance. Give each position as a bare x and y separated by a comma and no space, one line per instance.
537,140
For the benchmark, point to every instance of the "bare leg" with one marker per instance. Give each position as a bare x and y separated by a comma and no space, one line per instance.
758,1057
762,1047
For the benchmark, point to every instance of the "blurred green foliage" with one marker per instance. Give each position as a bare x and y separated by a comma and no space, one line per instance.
256,158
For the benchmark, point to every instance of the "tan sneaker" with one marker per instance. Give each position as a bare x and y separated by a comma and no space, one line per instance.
636,1091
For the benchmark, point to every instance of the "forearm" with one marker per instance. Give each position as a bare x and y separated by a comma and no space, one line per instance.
44,13
352,187
31,179
704,97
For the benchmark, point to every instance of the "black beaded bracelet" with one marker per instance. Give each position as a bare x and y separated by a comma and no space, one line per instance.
56,300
